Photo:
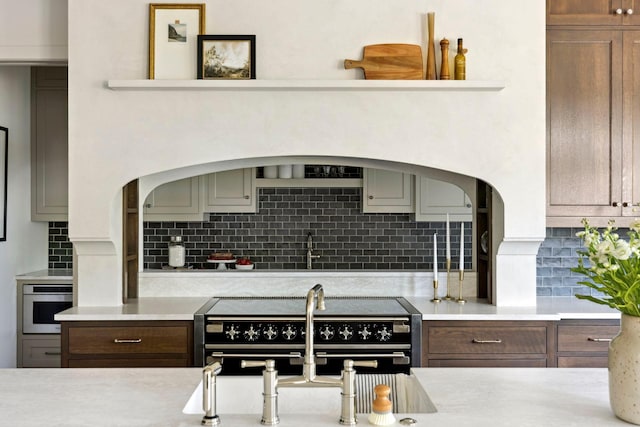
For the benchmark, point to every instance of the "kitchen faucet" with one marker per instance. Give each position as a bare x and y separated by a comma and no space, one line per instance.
310,255
309,378
209,375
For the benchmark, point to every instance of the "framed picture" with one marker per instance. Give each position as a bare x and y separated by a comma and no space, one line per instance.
4,146
173,37
226,57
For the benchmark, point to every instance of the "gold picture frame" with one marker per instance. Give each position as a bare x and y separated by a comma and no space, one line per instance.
173,38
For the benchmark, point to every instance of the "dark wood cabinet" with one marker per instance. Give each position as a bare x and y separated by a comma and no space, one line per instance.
593,140
592,12
127,344
488,344
585,343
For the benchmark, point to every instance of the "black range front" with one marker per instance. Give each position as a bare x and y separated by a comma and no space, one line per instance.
383,329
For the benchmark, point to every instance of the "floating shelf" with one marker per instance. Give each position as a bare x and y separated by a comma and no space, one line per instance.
309,182
308,85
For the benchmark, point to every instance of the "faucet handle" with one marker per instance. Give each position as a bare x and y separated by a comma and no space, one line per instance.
269,364
349,364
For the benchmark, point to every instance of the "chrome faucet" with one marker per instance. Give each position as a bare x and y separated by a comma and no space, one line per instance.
209,375
309,378
310,254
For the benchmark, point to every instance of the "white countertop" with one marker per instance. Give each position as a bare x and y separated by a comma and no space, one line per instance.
183,308
47,275
138,309
473,397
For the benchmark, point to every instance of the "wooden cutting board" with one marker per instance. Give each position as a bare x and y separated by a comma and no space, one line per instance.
390,62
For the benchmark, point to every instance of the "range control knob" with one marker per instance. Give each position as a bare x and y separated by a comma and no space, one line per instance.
345,332
383,333
270,332
251,334
365,332
232,332
289,332
327,332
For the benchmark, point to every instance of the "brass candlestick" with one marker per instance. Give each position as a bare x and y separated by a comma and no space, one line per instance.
460,300
435,291
448,297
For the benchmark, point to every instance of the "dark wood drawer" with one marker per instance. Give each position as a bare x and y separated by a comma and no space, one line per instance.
488,363
487,340
131,340
583,361
585,338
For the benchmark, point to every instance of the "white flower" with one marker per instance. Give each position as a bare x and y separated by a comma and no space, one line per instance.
605,247
621,250
635,225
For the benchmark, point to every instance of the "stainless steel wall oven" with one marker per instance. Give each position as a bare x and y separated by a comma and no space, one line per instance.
40,302
386,329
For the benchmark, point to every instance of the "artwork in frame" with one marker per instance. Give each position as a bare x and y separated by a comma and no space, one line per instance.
4,147
173,37
226,57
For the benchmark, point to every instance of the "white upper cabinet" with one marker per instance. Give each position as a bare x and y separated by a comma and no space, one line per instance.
435,199
174,201
33,31
229,191
387,191
49,144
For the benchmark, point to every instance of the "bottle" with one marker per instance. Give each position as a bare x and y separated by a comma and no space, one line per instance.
176,252
460,72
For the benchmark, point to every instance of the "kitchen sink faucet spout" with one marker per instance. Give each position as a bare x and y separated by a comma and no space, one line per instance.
310,255
309,367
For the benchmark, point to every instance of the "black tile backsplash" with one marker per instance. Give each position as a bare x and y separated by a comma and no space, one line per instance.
276,236
60,248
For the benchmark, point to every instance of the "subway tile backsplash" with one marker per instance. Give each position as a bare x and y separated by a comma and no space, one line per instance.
276,236
60,248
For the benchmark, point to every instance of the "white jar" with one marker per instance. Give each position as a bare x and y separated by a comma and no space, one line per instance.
176,252
285,171
298,171
271,172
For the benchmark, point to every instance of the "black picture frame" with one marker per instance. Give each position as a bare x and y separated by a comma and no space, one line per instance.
226,57
4,162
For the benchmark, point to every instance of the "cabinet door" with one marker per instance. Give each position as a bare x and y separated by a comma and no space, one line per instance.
631,123
586,12
49,144
584,124
387,191
230,191
435,199
177,200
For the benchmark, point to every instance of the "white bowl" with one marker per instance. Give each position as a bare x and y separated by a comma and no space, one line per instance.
244,267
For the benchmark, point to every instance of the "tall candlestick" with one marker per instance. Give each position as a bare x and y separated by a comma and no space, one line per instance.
448,240
461,300
435,268
462,246
435,256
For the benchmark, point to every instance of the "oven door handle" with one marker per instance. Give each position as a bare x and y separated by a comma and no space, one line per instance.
399,358
221,354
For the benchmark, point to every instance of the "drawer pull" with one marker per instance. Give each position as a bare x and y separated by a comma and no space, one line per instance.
52,353
599,339
477,341
127,341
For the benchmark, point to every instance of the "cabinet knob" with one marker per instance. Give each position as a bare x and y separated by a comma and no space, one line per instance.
370,197
148,205
246,197
615,204
625,204
618,11
629,11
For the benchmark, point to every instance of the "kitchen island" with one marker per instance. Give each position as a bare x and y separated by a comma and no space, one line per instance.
155,397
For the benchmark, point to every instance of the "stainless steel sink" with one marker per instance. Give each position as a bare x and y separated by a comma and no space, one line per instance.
243,395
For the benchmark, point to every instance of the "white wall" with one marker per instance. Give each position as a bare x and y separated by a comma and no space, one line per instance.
25,249
116,136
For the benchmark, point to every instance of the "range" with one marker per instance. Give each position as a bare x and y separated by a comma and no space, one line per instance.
232,329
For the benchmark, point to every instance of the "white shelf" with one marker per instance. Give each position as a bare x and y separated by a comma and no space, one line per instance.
309,182
308,85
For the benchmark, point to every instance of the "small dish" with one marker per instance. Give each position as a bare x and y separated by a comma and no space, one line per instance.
244,266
